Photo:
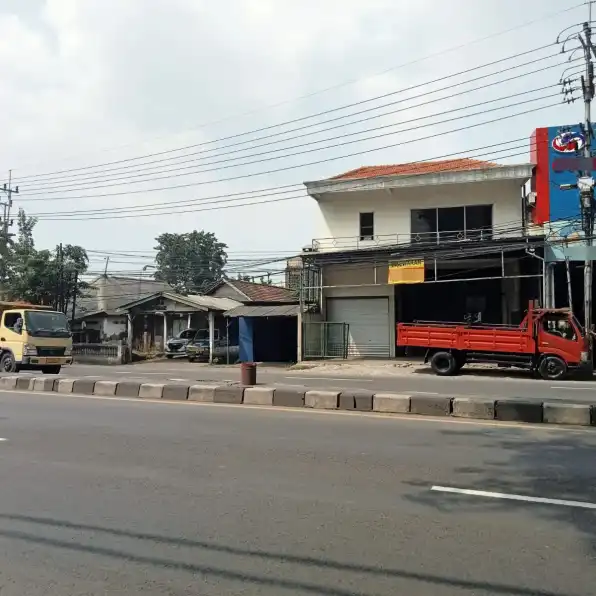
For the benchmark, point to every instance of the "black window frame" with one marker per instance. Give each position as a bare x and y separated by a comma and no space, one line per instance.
437,235
365,228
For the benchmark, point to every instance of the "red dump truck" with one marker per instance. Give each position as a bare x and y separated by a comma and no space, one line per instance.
548,341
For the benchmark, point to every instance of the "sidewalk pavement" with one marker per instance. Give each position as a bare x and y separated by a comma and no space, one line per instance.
359,400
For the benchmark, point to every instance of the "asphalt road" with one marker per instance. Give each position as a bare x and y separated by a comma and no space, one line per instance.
491,383
120,497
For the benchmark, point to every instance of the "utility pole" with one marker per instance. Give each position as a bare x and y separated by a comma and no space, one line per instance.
6,206
60,297
74,298
585,182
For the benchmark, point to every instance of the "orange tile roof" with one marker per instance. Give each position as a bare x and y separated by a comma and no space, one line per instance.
421,167
262,292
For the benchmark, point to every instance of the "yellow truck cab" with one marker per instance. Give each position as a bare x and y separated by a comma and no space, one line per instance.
33,338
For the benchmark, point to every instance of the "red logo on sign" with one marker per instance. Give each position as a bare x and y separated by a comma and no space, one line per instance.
569,142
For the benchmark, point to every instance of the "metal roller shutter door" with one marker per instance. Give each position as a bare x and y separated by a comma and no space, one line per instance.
368,319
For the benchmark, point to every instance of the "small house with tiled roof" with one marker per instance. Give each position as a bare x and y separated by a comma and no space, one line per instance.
266,319
460,221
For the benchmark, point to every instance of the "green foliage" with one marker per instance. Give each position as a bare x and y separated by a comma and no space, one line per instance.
41,276
190,262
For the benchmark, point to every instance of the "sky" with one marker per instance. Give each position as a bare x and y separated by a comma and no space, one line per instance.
99,97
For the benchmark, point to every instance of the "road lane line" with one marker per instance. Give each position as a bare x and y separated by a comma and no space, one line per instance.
573,388
513,497
351,379
423,392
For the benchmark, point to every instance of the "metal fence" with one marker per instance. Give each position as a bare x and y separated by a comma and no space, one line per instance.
325,340
98,353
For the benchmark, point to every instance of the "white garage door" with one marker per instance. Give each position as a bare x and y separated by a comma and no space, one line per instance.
368,320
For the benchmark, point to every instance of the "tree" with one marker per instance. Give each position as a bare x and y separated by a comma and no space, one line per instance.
190,262
43,276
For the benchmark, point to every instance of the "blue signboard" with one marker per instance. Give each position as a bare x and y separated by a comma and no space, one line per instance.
563,141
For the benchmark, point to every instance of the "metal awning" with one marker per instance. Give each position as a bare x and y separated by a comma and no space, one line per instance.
267,310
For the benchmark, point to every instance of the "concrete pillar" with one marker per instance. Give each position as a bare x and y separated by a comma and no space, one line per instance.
129,331
549,286
211,319
189,322
165,331
299,322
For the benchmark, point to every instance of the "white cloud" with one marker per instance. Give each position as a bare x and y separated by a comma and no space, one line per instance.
102,80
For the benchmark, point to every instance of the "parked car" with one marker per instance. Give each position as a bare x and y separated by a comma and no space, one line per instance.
176,346
198,350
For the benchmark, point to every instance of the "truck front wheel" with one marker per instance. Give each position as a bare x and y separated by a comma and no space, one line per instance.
552,368
7,363
444,364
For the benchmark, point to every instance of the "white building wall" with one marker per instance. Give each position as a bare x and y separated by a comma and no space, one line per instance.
340,212
113,326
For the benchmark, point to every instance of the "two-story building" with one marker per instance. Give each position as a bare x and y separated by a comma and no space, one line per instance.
463,218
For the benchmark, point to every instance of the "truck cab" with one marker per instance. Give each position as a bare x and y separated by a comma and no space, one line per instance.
33,338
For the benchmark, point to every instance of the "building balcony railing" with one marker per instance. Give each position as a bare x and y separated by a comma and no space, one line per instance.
388,240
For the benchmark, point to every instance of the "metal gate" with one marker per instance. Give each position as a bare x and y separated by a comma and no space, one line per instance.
325,340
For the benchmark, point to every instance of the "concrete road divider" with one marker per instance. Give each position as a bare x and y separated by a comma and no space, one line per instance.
175,392
474,407
204,393
229,394
151,390
356,400
258,396
128,389
105,388
9,382
84,386
43,384
25,383
321,400
430,405
391,403
562,413
64,385
289,397
517,410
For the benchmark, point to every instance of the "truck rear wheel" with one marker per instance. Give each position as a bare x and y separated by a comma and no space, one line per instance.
552,368
444,364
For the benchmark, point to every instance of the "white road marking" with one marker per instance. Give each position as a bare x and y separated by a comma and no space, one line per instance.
3,439
573,388
298,377
424,392
512,497
180,380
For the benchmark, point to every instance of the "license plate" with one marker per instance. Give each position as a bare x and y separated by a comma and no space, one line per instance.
52,360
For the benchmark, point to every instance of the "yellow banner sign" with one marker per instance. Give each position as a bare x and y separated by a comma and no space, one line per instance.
407,272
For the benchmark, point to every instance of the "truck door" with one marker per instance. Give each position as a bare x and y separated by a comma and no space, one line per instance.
11,333
557,335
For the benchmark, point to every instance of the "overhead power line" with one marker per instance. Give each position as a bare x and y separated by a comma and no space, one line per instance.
327,160
219,205
129,179
296,120
316,162
169,207
84,177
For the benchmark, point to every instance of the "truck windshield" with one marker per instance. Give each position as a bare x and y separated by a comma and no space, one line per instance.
46,324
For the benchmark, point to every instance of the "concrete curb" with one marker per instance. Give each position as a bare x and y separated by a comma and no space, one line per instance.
478,408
